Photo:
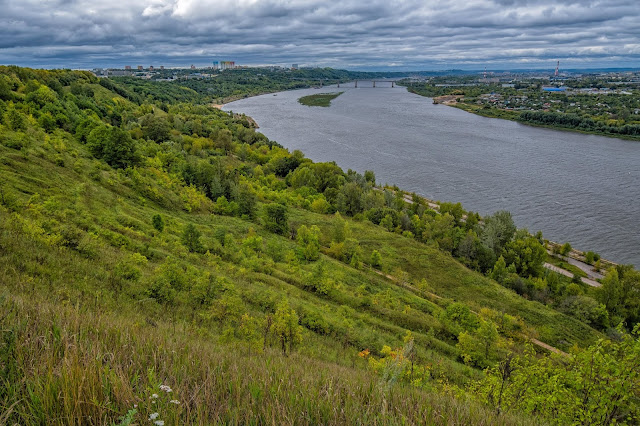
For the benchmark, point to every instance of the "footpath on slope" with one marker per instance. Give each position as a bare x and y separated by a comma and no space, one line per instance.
422,293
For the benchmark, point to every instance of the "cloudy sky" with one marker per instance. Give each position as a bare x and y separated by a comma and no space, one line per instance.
353,34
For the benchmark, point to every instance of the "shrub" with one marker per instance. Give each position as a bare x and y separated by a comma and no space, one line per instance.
158,223
276,218
191,239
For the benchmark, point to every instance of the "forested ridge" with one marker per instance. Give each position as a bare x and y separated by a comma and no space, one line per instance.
161,261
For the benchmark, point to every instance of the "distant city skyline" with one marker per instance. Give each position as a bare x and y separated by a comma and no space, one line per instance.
374,35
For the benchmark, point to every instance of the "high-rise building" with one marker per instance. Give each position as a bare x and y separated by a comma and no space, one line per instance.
161,67
193,67
150,67
139,67
227,65
216,65
294,66
127,67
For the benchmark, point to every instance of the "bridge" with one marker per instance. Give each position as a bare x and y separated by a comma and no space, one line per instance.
373,83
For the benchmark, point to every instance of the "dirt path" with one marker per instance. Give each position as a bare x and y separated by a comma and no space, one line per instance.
435,296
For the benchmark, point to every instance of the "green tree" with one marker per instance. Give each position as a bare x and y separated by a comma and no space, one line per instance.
387,223
497,231
589,257
155,128
119,150
309,241
526,254
565,249
224,140
596,386
276,218
15,119
376,259
286,328
247,201
341,229
47,122
191,239
158,222
370,177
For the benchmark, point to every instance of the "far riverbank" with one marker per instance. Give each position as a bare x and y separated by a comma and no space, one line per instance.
493,112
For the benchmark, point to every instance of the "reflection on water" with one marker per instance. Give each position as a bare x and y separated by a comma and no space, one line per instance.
578,188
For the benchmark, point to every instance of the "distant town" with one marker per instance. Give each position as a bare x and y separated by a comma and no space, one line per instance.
174,73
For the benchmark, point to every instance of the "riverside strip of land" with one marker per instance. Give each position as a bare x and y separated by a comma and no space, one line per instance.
603,104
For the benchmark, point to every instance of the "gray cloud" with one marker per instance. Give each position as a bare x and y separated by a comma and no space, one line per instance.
411,34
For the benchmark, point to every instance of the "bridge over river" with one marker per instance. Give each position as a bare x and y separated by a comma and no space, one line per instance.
369,83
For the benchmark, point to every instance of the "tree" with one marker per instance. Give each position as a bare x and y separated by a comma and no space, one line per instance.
5,90
276,218
351,200
120,149
247,200
309,241
597,385
498,230
526,254
341,229
370,177
191,239
565,249
47,122
387,223
113,145
589,257
376,259
224,140
155,128
158,222
286,328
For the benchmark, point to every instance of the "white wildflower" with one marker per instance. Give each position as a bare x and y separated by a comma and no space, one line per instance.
159,422
154,396
135,405
165,388
174,401
154,416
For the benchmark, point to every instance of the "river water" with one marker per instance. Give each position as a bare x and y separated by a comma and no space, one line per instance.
578,188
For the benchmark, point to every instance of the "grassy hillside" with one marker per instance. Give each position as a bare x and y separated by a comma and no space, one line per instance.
142,246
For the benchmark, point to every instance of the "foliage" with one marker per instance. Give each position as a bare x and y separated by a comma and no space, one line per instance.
286,328
596,385
320,100
191,239
275,218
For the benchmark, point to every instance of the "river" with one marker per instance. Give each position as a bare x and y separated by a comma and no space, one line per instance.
583,189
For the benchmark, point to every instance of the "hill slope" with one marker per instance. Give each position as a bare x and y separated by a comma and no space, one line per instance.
142,246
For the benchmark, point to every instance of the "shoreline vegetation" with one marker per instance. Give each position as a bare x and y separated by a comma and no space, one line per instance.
162,262
319,100
556,120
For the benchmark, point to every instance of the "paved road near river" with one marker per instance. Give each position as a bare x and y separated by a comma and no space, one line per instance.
583,189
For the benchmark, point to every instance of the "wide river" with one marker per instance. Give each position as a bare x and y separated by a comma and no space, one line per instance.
578,188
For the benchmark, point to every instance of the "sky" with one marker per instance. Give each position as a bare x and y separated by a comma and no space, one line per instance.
350,34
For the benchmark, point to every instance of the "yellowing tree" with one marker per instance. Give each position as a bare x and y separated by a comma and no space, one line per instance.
286,328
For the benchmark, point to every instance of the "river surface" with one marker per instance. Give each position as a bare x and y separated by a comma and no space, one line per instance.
578,188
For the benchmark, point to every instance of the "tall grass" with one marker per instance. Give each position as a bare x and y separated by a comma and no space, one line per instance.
69,364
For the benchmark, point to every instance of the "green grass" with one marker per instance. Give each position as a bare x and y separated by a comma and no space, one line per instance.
87,366
320,100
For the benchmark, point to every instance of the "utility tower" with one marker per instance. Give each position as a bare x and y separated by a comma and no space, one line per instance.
557,67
